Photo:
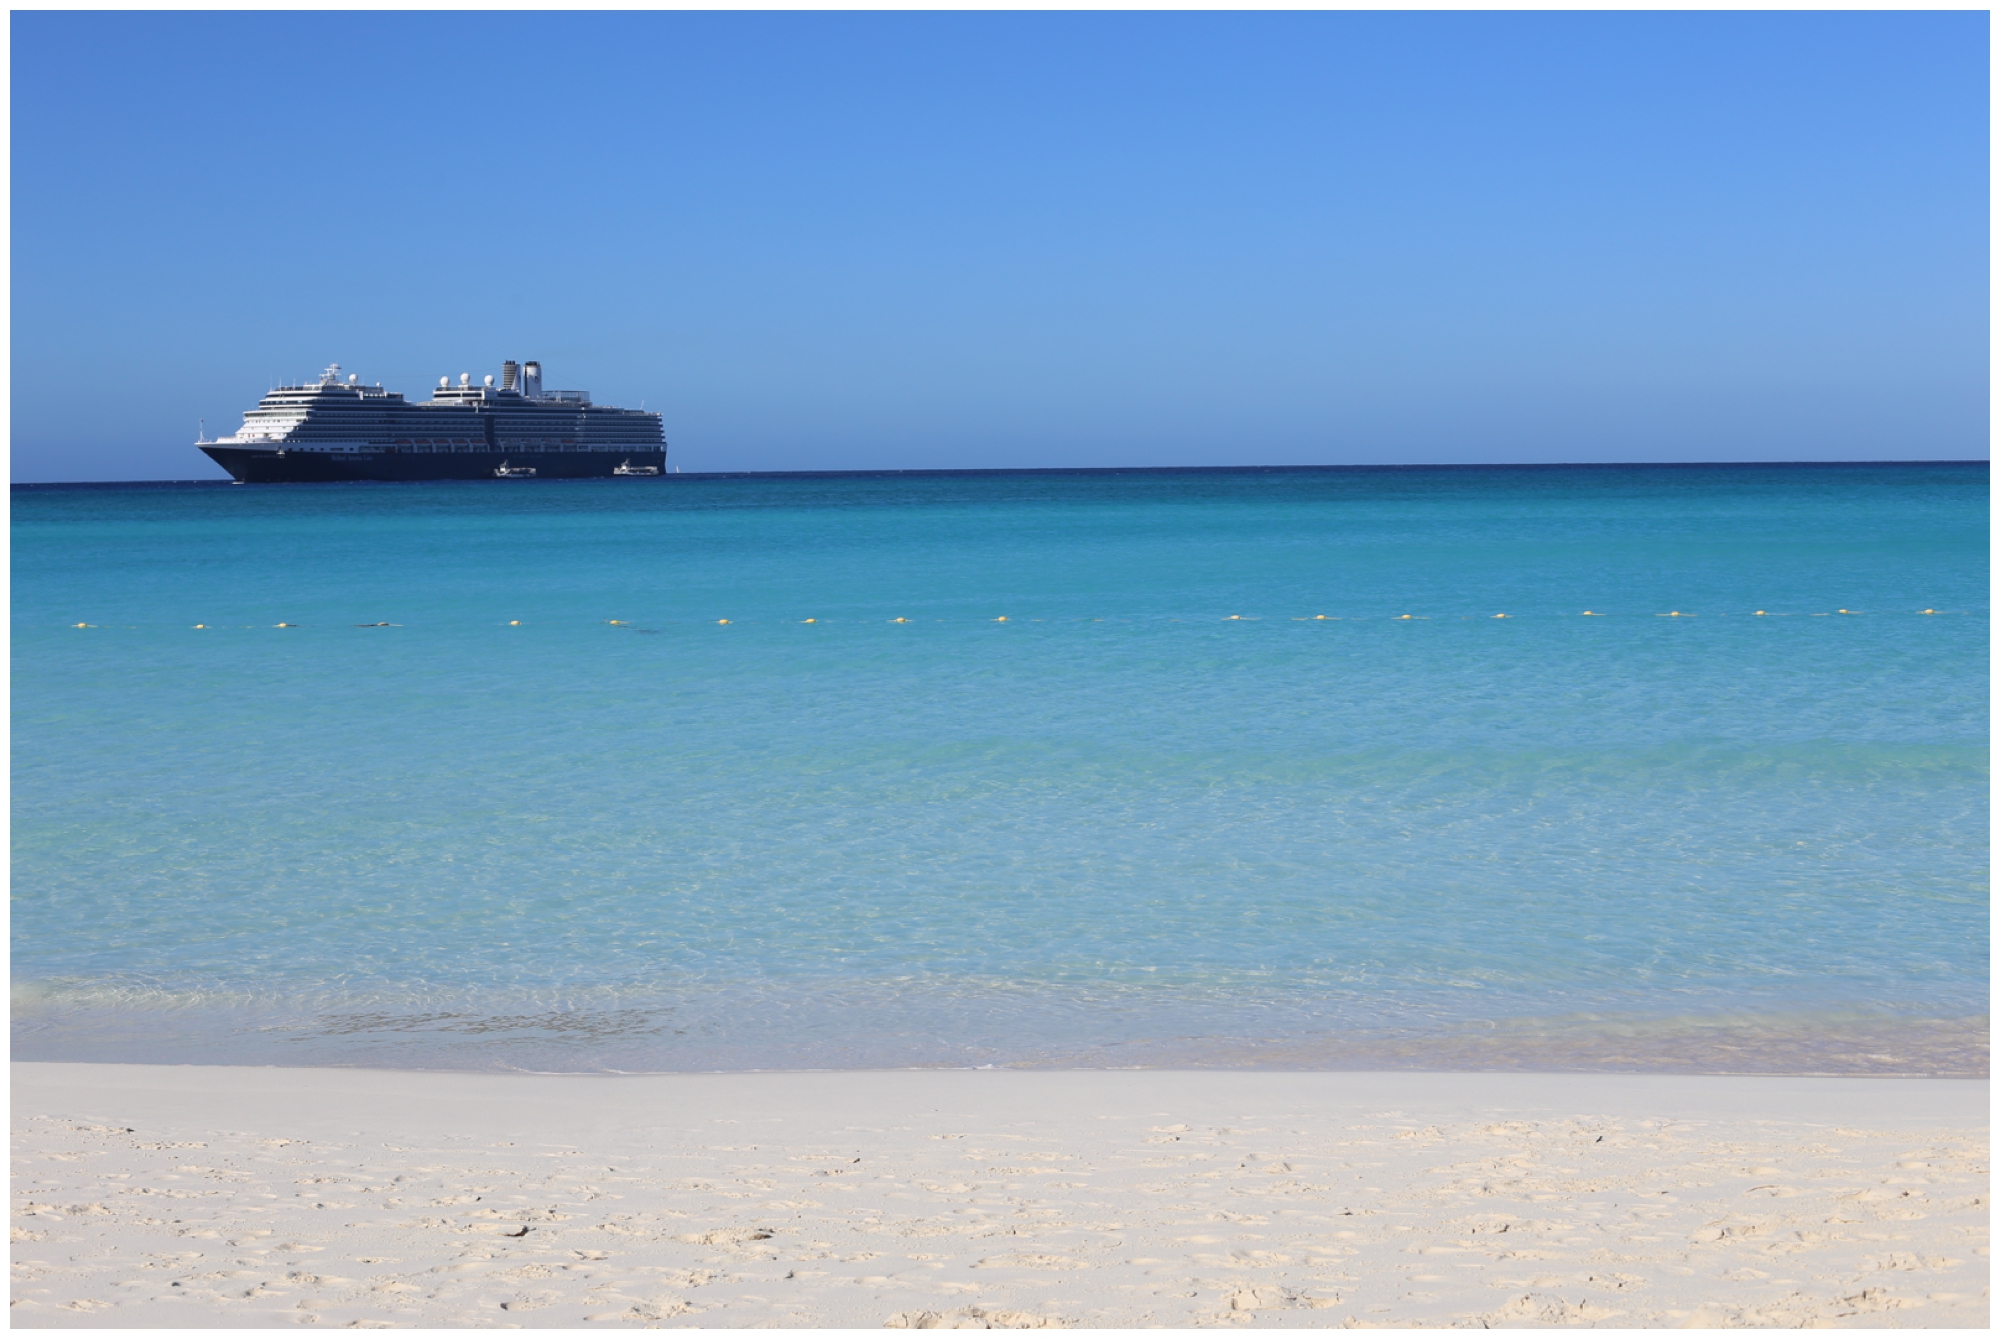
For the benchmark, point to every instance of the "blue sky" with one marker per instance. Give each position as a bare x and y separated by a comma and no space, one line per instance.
826,241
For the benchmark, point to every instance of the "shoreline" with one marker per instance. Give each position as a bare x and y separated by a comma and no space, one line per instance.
705,1035
171,1195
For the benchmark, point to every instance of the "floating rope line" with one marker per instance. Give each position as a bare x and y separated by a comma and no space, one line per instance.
1226,618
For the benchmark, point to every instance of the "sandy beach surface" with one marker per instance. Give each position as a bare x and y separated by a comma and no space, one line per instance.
184,1196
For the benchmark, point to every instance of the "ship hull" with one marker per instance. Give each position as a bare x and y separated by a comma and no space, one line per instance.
249,465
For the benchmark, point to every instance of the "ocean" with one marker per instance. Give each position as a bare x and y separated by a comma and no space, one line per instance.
1141,768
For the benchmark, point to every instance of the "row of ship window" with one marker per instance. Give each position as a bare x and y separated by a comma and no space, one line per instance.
363,427
502,446
554,420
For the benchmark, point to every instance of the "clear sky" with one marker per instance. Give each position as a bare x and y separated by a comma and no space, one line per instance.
835,241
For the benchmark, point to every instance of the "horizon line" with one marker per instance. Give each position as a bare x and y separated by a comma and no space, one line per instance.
937,472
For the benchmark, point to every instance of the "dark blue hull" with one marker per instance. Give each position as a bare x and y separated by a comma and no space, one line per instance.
252,466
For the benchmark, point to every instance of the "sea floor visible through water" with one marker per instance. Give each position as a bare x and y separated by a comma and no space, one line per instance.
1629,768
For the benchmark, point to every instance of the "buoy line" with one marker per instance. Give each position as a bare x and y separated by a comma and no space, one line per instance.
1224,618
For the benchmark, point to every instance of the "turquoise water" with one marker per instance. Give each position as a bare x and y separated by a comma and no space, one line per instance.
1162,814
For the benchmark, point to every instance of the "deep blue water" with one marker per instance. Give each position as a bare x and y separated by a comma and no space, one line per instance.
1164,813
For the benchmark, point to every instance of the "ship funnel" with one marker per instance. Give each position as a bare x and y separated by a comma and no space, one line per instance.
531,378
510,374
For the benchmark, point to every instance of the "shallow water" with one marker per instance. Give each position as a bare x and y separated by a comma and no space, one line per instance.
1120,827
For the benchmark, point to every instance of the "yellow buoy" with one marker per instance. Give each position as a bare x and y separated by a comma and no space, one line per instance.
1001,619
615,622
1233,616
1403,615
1674,614
1844,611
1760,613
284,625
1499,616
808,620
79,625
1590,614
899,620
513,622
201,625
721,620
1319,616
1929,611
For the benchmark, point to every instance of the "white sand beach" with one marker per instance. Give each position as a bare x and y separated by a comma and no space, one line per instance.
193,1196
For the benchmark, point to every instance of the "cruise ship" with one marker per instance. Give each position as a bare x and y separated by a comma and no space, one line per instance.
336,429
